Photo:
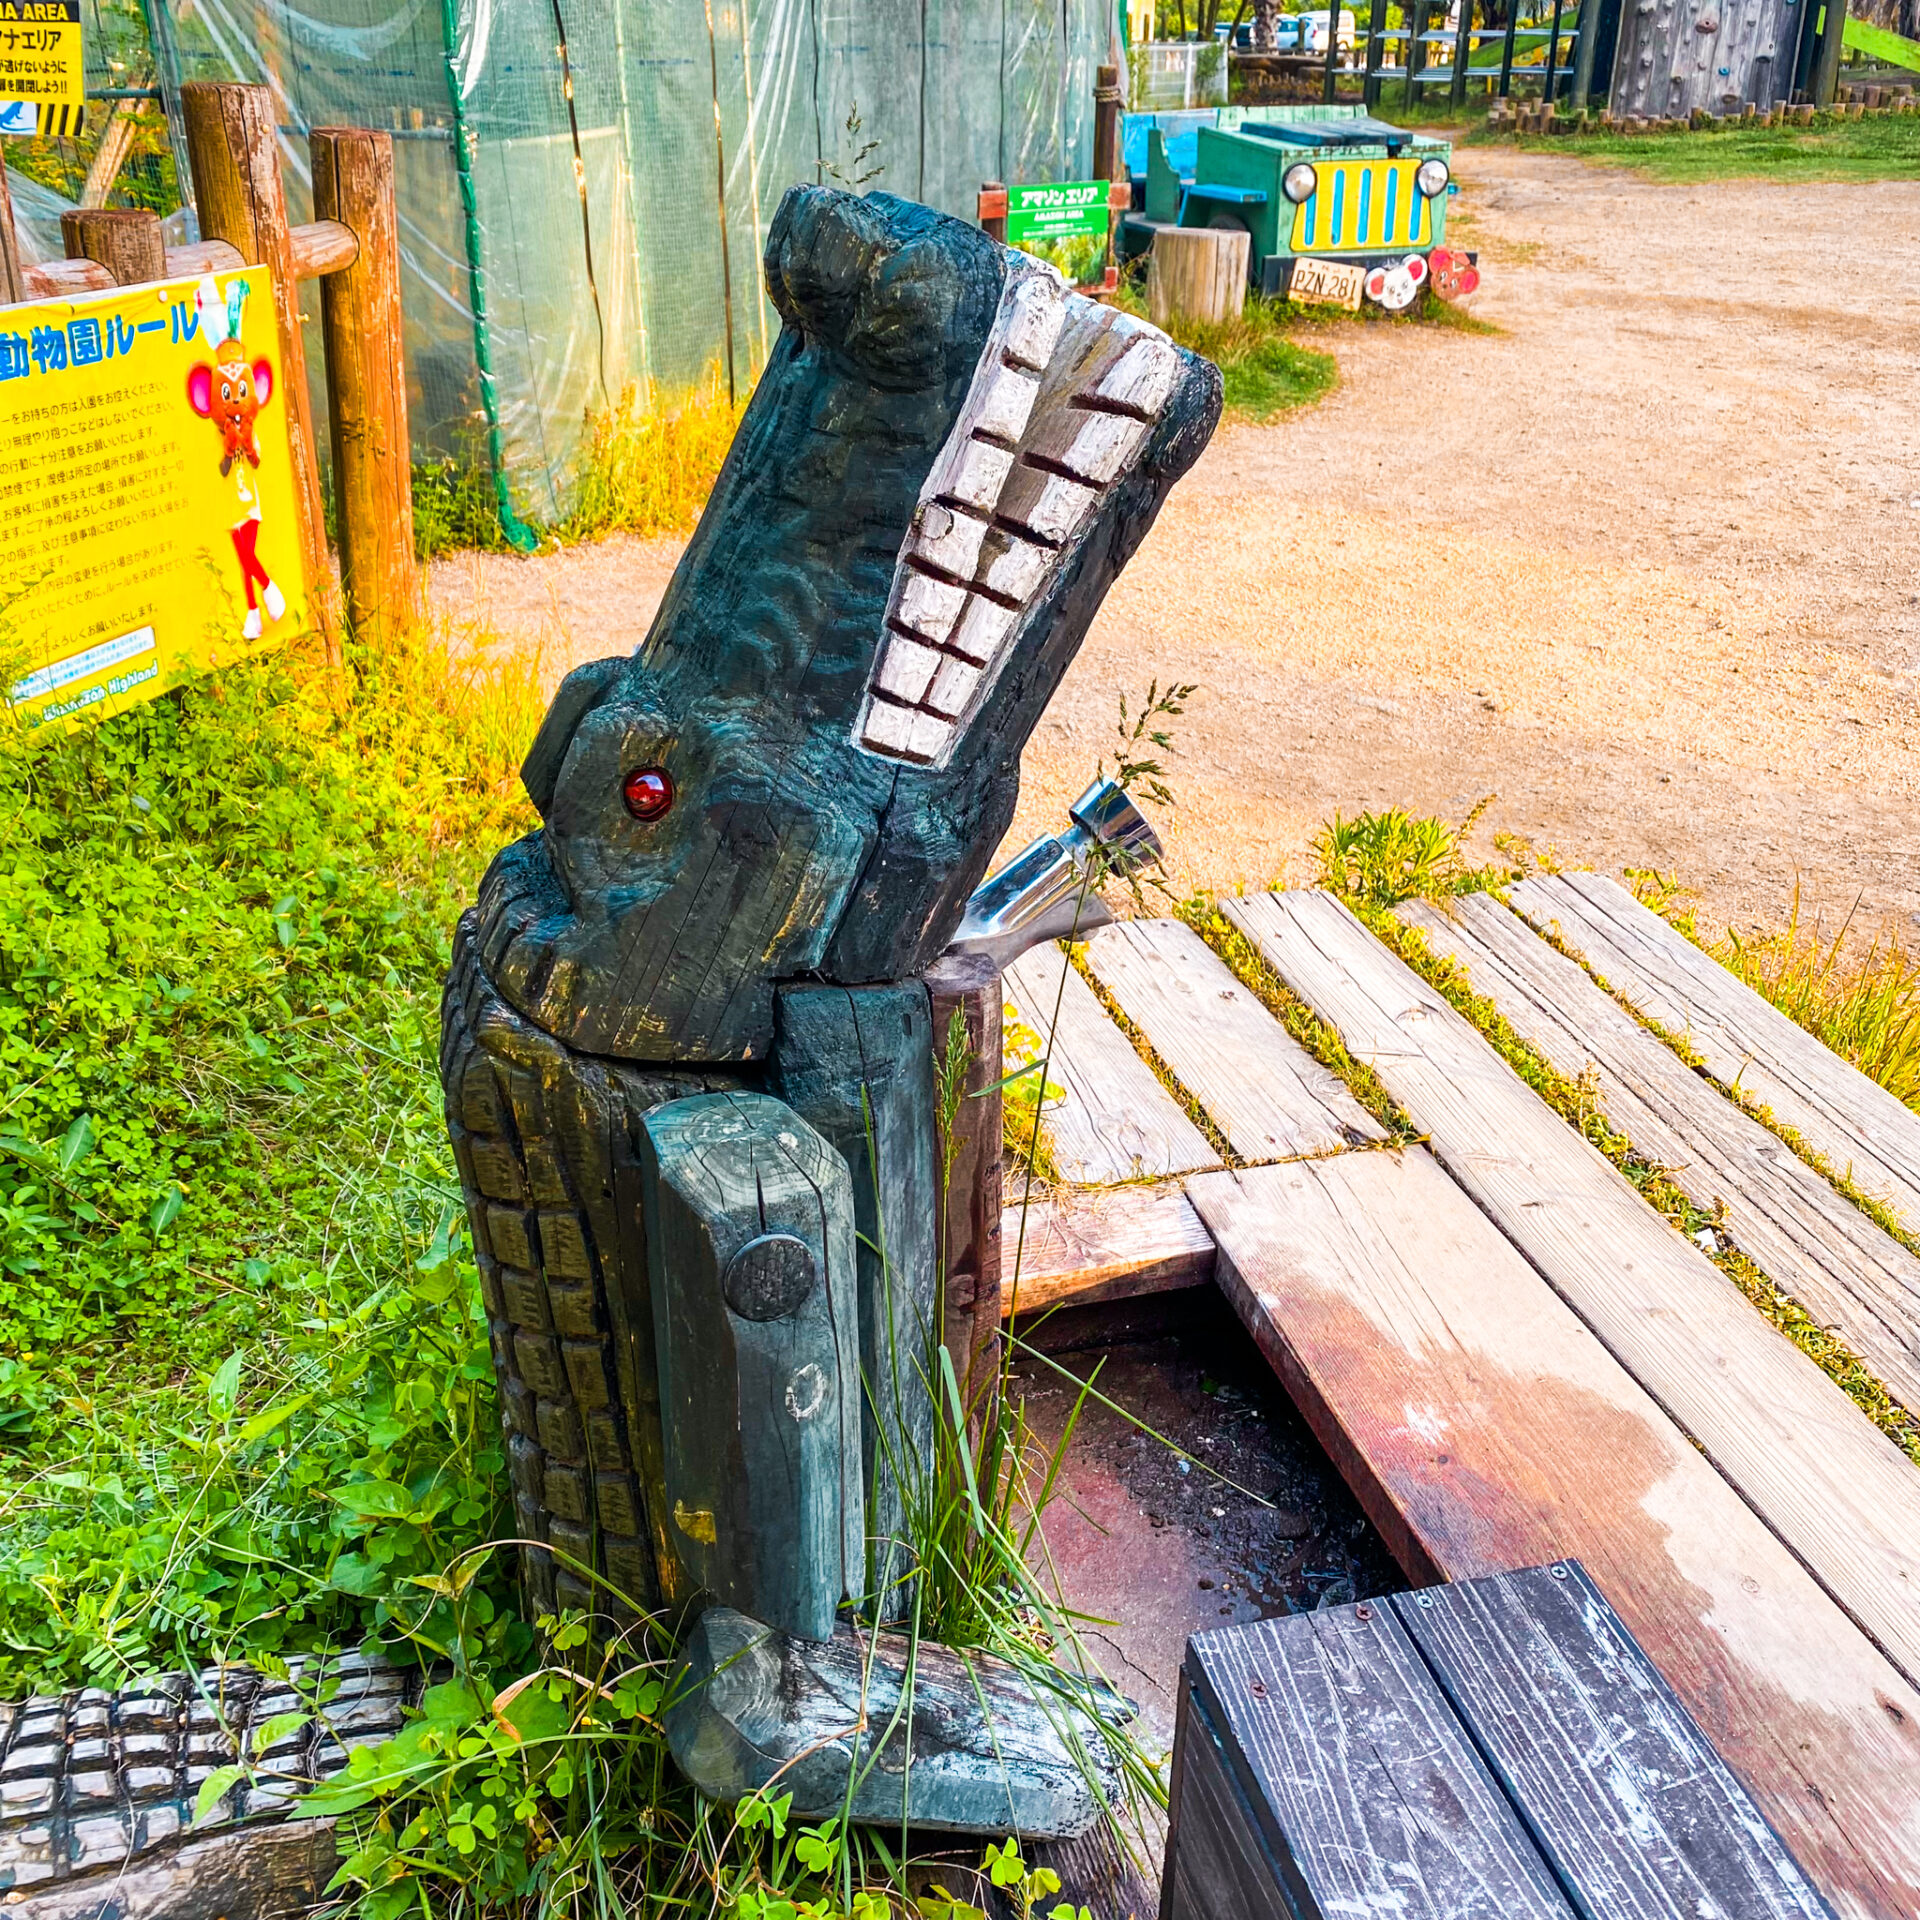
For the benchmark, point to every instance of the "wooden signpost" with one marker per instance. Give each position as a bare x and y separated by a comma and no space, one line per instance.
352,249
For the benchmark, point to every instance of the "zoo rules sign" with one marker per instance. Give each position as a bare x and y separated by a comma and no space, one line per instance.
147,527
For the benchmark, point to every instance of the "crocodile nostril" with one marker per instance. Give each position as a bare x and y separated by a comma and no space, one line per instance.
648,792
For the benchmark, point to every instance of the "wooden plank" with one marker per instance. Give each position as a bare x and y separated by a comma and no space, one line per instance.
1216,1868
1362,1783
1483,1428
1101,1246
1807,1459
1805,1237
1619,1789
1114,1120
1746,1042
1270,1097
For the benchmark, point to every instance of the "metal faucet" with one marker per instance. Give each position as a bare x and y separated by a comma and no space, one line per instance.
1043,892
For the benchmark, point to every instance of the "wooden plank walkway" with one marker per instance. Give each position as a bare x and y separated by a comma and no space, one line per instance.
1114,1121
1102,1245
1485,1428
1265,1092
1854,1123
1807,1238
1800,1452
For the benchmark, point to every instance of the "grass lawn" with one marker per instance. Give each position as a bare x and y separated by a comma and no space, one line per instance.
1883,148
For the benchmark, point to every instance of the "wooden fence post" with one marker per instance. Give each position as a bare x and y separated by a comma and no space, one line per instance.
127,241
367,381
1106,125
12,287
994,226
968,984
231,144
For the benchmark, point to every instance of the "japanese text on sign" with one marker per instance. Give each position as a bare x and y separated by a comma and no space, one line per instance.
40,54
1075,211
146,493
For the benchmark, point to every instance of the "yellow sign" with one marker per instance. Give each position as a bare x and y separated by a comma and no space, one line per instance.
147,526
40,53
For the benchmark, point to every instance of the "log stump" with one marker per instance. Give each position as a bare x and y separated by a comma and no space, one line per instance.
1199,273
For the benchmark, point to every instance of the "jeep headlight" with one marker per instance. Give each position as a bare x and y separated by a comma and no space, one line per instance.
1300,183
1431,177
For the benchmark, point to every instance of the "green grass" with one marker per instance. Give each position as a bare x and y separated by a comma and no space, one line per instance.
1880,147
244,1387
645,467
1265,371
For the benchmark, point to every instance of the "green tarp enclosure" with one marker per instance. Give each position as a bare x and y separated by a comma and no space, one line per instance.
687,121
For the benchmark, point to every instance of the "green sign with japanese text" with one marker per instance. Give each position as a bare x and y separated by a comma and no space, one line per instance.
1075,211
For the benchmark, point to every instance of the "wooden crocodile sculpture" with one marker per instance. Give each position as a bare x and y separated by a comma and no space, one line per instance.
688,1056
688,1048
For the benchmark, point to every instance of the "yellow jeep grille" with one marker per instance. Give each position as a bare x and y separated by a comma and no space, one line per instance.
1363,205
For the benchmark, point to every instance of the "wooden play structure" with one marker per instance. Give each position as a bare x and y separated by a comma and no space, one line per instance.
1510,1355
352,249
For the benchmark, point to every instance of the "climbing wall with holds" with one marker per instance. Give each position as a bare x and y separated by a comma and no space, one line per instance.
1676,56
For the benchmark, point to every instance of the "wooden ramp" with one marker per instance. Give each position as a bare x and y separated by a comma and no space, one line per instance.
1510,1355
1852,1122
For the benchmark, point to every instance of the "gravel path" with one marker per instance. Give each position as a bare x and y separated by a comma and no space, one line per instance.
1646,563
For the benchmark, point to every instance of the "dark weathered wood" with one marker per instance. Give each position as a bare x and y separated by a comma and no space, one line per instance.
1367,1795
857,1064
750,1243
1113,1120
973,1752
547,1144
966,988
1483,1428
1810,1241
367,380
12,285
1111,1245
1853,1122
97,1791
1216,1867
1621,1792
231,143
1808,1460
127,241
1259,1086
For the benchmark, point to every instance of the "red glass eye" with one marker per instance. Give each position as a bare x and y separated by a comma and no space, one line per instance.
648,792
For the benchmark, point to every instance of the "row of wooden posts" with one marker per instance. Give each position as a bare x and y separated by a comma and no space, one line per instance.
352,247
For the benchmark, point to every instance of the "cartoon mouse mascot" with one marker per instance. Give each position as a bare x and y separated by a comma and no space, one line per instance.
231,393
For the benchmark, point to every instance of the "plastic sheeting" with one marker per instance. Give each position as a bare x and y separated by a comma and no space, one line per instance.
689,120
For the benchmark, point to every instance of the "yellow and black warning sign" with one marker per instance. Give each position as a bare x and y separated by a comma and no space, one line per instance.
40,61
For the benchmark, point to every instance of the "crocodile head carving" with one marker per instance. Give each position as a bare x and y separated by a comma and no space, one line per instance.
807,765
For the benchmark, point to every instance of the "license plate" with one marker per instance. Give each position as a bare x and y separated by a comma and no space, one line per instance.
1329,281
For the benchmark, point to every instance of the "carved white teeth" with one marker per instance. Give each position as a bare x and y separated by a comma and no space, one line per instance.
978,475
926,605
1018,571
1019,477
981,629
1007,404
906,669
950,540
904,732
1143,380
1036,313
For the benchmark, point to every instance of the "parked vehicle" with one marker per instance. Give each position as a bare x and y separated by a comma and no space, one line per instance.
1328,193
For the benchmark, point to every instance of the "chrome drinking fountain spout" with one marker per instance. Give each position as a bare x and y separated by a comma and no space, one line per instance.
1045,892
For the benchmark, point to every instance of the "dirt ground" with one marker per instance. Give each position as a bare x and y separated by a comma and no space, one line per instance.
1645,563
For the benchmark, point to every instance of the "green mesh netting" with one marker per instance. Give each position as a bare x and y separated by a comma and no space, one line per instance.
690,119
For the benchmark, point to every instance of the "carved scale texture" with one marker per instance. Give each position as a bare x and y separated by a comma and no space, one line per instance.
547,1145
92,1781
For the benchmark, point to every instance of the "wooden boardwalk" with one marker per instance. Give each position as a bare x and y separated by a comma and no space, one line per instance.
1510,1355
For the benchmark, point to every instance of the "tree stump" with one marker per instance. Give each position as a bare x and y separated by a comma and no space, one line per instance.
1199,273
127,241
